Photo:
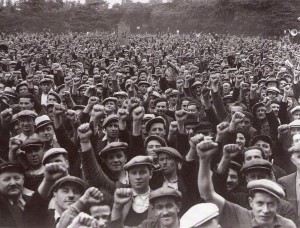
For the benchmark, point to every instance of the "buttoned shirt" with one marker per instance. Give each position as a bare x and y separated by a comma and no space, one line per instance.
140,201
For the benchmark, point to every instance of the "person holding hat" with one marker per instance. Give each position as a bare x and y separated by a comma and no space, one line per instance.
12,199
165,203
264,196
290,182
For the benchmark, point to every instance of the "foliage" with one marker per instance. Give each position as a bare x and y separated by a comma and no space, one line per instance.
251,17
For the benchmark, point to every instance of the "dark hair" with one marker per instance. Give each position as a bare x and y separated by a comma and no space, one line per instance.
252,193
254,148
161,99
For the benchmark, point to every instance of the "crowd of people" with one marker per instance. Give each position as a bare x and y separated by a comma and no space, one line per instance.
169,131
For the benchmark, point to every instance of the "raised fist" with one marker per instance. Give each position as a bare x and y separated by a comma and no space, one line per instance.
83,220
122,196
231,150
92,196
54,171
122,114
283,128
173,127
253,87
223,128
71,114
206,149
195,140
237,118
59,109
133,103
93,100
84,133
98,111
138,114
6,116
181,115
15,144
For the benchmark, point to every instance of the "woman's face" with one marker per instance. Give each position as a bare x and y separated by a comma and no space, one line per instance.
240,140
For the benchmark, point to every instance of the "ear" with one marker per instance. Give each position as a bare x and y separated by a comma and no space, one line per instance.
250,202
179,205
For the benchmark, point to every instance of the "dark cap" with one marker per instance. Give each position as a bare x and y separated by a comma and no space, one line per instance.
257,164
264,138
139,160
169,150
114,99
267,186
109,119
153,121
31,142
155,137
9,166
69,179
114,146
164,192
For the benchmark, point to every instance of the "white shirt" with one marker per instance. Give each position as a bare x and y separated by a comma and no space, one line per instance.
44,99
140,201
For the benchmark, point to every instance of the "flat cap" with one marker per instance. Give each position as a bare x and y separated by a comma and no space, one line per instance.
109,119
114,146
267,186
198,215
297,108
295,123
257,164
67,180
51,152
164,192
9,166
139,160
109,99
120,93
23,83
147,117
197,83
83,86
259,104
153,121
169,150
42,121
31,142
45,80
155,94
55,95
143,83
264,138
273,90
157,138
30,113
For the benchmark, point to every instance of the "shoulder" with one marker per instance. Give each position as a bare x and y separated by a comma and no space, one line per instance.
284,222
282,180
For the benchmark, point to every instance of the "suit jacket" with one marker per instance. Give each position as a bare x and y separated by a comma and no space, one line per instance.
289,183
6,215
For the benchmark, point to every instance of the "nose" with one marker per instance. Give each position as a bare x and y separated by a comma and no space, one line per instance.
12,182
265,208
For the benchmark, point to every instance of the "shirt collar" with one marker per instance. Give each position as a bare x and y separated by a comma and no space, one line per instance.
146,194
56,216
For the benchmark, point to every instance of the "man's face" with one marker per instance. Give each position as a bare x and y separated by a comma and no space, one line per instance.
121,100
264,207
115,161
46,133
26,123
265,147
252,154
46,86
275,108
139,177
261,113
296,160
23,89
101,213
26,104
240,140
234,109
151,146
232,179
51,99
66,195
173,99
110,106
143,88
11,184
296,115
158,129
245,124
272,95
167,163
167,209
161,108
34,156
112,129
184,105
226,88
192,110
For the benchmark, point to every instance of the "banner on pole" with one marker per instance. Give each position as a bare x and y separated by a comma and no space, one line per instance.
123,33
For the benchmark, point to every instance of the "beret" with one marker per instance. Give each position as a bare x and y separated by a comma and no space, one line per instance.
27,113
153,121
114,146
169,150
198,215
139,160
110,118
42,121
109,99
257,164
69,179
155,137
295,123
9,166
267,186
51,152
27,144
164,192
264,138
297,108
